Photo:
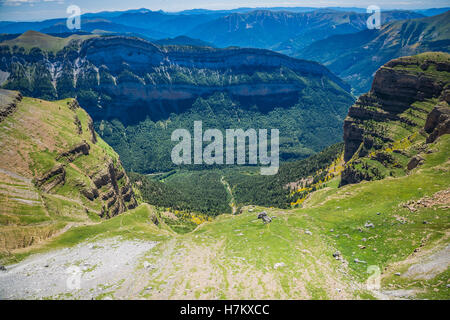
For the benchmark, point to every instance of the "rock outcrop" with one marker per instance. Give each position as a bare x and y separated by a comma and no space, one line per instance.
81,148
8,102
438,122
56,176
399,101
118,198
414,162
393,91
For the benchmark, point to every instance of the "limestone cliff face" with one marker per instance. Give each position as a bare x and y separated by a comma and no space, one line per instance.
160,80
399,102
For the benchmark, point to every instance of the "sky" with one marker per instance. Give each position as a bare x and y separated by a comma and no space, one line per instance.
35,10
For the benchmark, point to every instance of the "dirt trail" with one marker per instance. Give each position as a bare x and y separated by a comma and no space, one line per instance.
232,203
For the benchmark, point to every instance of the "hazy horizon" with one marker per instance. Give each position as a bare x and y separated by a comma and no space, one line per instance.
37,10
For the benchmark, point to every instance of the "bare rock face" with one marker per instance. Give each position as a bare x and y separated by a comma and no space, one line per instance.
56,176
8,103
118,199
438,122
92,131
79,149
77,123
414,162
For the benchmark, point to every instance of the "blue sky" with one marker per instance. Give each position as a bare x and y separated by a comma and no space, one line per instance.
32,10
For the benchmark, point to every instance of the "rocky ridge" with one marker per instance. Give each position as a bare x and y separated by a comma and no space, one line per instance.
158,79
409,97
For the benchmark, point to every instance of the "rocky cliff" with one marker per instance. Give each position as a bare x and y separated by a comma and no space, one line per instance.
54,171
157,79
409,98
137,92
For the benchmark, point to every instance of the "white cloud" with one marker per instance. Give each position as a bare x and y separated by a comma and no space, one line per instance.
15,3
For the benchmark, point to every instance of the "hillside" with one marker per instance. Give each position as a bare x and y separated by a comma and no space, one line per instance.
138,93
326,250
356,57
55,172
32,39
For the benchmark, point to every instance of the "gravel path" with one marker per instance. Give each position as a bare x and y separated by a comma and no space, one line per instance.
88,271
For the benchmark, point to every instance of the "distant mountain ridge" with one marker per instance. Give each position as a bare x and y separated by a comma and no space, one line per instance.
274,29
356,57
276,25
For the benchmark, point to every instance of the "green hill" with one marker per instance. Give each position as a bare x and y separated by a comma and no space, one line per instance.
33,39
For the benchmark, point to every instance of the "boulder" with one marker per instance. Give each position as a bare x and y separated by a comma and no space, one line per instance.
369,225
414,162
264,217
438,122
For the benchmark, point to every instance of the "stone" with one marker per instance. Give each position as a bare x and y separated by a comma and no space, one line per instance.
414,162
359,261
369,225
2,268
308,232
398,274
279,265
264,217
437,123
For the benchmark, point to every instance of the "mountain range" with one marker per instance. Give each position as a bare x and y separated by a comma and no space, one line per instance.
268,29
356,57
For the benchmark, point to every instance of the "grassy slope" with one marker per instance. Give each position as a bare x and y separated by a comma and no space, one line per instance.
31,39
31,138
234,256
